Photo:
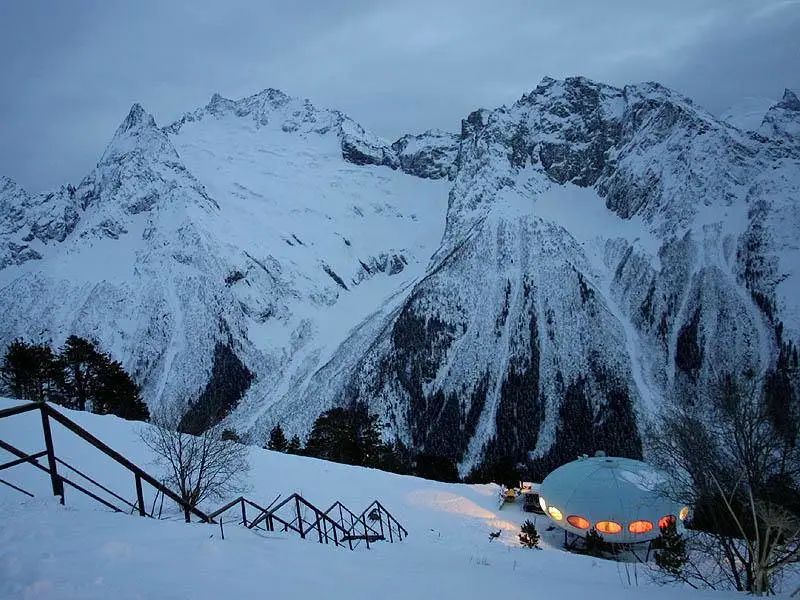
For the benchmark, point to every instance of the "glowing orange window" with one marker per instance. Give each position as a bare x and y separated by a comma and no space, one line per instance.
666,521
640,527
578,522
608,527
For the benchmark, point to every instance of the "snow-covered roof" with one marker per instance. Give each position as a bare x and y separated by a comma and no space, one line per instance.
602,490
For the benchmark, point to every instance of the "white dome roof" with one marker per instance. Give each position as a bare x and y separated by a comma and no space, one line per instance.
608,489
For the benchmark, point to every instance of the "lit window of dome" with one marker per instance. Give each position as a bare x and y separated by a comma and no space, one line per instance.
578,521
641,526
608,527
666,521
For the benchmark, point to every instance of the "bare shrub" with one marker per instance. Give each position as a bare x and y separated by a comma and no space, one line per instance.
736,460
197,467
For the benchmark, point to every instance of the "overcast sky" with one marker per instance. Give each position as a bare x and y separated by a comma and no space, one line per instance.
70,70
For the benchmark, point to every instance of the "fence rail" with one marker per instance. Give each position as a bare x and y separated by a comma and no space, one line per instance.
59,481
292,514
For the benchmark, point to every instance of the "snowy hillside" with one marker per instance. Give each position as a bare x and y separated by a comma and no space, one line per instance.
447,553
561,265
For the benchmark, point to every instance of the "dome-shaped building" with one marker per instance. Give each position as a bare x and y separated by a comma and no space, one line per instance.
619,497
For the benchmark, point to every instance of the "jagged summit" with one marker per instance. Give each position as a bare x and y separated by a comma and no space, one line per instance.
138,135
782,122
790,101
6,183
137,118
267,108
429,155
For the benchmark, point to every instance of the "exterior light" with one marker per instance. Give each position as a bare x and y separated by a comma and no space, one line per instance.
543,504
684,513
555,513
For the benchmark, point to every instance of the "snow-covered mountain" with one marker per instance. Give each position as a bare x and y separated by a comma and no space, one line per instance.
537,283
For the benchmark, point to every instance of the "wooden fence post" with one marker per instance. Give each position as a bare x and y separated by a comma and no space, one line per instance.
140,496
299,517
58,485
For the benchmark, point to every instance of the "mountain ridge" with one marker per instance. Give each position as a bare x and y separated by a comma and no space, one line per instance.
320,257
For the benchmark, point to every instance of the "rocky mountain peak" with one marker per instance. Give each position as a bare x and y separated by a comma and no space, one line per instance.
13,201
431,154
9,187
782,122
139,170
219,104
790,101
137,118
138,133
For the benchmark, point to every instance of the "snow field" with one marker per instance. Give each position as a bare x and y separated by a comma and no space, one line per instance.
82,551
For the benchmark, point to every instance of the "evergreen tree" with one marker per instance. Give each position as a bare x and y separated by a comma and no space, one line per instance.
277,440
29,371
438,468
116,393
294,446
79,377
595,544
346,435
671,553
229,435
80,363
528,535
502,470
396,458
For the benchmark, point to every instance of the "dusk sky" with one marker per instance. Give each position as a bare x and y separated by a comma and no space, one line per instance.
71,70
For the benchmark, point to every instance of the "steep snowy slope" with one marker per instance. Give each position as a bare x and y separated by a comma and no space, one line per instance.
532,287
338,239
599,256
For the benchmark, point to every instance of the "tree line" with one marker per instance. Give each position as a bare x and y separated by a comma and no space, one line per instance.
77,376
352,435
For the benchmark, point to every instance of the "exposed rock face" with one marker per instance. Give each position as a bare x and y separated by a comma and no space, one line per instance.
782,121
531,288
28,223
431,154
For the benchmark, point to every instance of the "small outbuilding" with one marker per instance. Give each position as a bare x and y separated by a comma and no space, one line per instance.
619,497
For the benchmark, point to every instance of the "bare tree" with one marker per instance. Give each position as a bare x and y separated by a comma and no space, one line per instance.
733,458
198,467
